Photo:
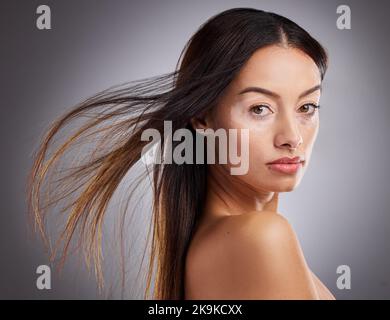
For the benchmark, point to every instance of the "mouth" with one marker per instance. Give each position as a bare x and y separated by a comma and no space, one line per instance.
291,167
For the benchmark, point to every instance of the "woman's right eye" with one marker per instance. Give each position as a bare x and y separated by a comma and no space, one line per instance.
258,109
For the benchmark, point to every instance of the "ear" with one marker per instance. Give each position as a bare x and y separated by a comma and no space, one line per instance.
203,121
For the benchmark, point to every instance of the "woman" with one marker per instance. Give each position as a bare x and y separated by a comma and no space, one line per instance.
215,235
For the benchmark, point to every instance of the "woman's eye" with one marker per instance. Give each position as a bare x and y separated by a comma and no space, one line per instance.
306,108
260,110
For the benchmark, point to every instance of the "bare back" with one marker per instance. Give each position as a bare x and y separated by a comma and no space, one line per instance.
250,256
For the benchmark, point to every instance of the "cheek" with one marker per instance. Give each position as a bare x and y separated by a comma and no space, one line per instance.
309,130
260,133
260,141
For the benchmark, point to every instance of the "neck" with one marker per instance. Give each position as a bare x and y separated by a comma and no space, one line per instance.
228,195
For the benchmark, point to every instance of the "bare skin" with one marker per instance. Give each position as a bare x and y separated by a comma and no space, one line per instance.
243,248
229,260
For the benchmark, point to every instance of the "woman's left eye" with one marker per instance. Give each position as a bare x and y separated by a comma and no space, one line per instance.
306,108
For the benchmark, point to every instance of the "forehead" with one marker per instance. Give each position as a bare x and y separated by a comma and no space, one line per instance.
279,69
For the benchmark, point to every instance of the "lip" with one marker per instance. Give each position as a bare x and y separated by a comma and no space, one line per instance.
287,165
287,160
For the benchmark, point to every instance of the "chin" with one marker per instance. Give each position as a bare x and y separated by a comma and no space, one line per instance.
286,188
287,185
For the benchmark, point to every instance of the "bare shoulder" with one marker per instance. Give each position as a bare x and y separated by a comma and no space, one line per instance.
250,256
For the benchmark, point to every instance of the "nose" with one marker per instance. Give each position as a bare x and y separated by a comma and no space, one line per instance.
288,135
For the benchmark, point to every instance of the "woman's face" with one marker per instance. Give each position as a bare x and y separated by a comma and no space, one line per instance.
282,121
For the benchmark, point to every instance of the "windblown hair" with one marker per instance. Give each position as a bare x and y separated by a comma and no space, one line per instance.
115,118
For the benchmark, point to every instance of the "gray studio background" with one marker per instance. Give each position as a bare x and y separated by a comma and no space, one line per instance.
340,211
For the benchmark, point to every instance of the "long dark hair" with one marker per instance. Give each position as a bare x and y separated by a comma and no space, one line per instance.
116,117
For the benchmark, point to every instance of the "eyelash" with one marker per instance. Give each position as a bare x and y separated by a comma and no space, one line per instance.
306,104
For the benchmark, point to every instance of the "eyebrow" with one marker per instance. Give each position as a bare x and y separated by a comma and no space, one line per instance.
275,95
